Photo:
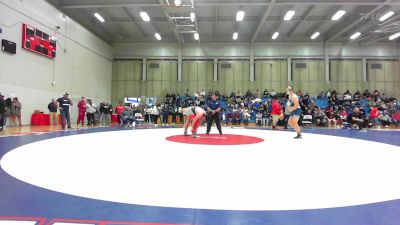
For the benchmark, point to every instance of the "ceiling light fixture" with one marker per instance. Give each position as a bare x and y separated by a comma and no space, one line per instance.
100,18
338,15
239,15
275,35
178,2
145,16
315,35
394,36
289,15
235,35
355,35
387,15
158,36
192,16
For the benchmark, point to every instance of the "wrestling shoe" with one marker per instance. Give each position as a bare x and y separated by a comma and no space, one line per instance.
298,136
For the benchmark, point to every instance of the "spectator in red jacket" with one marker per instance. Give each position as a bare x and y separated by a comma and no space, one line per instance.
374,115
396,118
119,109
276,112
81,111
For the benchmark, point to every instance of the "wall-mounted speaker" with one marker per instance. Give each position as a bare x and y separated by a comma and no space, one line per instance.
154,65
8,46
301,65
376,66
226,65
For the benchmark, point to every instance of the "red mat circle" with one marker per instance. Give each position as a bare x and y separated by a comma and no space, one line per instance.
216,139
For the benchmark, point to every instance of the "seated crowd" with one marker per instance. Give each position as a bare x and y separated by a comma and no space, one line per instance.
329,108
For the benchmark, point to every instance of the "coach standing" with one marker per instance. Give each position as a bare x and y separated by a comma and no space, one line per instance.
64,104
214,108
2,111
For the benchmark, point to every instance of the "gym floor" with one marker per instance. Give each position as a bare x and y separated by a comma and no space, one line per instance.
115,175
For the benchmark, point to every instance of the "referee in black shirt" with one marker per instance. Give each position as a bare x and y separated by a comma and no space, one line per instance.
213,113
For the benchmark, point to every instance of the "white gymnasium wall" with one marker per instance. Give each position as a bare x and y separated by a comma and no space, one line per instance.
84,69
312,79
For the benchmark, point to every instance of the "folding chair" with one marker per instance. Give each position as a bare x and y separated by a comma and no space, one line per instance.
307,120
139,118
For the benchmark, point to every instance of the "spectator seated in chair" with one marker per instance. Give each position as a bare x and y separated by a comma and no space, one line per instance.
259,118
385,119
396,119
320,118
237,117
127,117
342,119
331,117
356,119
246,116
227,116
